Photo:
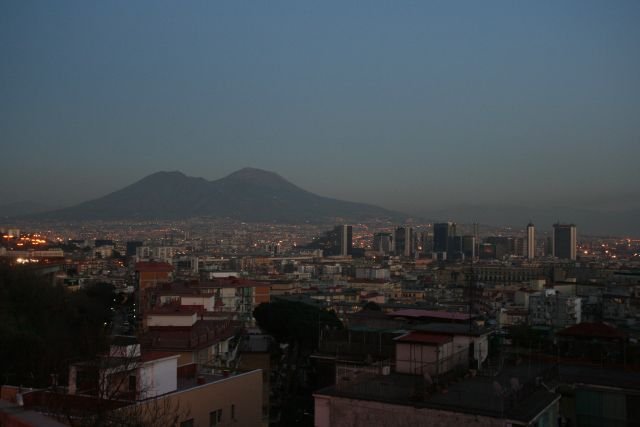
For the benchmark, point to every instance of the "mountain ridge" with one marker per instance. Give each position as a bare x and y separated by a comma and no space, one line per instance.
248,194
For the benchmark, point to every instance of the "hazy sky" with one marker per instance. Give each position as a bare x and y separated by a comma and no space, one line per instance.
402,104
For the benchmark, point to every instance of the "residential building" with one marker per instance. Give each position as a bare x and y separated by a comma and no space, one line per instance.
551,308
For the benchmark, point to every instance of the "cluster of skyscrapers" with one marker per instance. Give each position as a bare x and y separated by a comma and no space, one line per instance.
445,243
336,242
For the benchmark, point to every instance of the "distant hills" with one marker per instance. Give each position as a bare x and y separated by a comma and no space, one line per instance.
249,194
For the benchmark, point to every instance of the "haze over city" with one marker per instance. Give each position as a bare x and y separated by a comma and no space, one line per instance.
417,107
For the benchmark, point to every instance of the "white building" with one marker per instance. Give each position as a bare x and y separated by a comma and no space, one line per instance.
551,308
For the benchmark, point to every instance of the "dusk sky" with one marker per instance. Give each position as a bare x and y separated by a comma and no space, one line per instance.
407,105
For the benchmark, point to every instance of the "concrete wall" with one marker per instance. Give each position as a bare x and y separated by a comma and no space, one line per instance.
206,301
158,377
243,391
170,320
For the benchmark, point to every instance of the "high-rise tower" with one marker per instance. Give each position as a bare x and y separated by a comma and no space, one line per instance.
344,239
404,241
441,234
531,241
383,243
564,241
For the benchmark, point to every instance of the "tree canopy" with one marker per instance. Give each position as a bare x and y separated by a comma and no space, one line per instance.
43,327
294,322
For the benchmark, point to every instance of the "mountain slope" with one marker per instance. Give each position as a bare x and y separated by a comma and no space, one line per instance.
248,195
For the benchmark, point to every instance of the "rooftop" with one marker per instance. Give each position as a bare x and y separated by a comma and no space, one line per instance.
174,310
185,383
599,376
592,330
16,415
485,396
154,267
453,329
424,338
200,334
433,314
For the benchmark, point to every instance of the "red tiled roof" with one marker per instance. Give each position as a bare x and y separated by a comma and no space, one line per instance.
414,313
592,330
154,267
424,338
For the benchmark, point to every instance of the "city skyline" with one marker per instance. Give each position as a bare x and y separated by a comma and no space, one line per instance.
412,107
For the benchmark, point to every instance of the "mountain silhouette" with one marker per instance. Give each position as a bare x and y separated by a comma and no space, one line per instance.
248,194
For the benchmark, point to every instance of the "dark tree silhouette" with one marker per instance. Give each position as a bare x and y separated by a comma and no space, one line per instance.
44,327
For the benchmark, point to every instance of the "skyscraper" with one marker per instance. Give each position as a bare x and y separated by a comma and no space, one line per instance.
441,234
336,242
564,241
469,247
383,243
531,241
404,241
344,239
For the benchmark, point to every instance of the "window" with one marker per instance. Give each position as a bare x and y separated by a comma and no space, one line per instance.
187,423
132,383
233,412
215,418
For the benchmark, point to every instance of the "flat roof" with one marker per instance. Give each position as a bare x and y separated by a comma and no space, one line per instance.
173,310
592,330
476,395
435,314
453,329
17,415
